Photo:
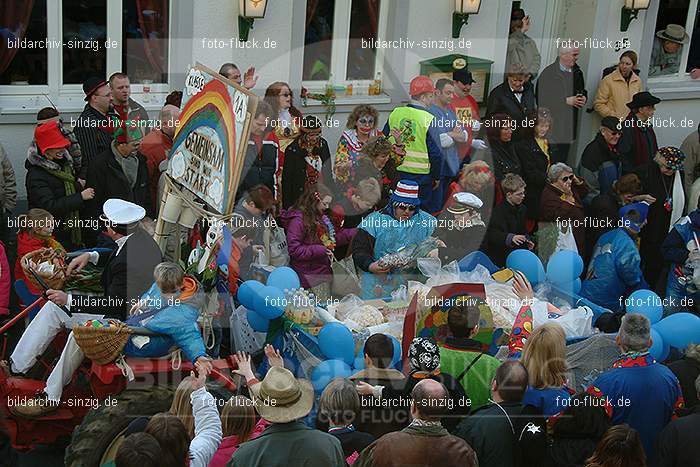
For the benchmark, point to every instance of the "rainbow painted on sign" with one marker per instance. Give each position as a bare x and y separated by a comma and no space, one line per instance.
209,112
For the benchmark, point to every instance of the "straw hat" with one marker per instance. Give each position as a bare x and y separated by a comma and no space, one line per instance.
281,398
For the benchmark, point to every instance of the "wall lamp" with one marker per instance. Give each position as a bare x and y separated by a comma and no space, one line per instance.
630,11
248,11
463,8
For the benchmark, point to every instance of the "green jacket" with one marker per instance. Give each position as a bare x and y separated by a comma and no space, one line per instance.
454,359
289,445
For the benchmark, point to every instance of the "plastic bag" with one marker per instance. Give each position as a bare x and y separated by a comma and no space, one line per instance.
342,309
400,294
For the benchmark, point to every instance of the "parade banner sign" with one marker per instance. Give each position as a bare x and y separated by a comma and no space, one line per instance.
211,139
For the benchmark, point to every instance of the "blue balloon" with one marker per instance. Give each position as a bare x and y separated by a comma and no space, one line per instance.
679,329
645,302
327,371
528,263
564,267
336,341
270,302
284,277
247,293
257,322
659,349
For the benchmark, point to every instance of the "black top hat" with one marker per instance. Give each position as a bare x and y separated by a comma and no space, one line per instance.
643,99
464,76
91,85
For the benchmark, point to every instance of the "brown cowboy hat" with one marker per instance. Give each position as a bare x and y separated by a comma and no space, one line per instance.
674,33
281,398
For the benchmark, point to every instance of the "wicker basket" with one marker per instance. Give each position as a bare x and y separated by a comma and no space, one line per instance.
43,255
102,345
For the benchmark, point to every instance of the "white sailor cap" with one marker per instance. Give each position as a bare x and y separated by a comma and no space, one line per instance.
468,199
122,212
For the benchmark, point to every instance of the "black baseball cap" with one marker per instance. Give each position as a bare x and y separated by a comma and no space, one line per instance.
464,76
611,123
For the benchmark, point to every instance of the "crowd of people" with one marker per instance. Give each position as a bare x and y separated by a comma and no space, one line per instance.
436,171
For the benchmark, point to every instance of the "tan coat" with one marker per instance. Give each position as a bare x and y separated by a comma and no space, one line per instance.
614,92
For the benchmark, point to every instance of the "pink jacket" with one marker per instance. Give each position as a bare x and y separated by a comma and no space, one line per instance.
5,278
230,443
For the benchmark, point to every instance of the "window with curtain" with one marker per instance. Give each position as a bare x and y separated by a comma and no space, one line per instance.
318,39
339,39
364,19
84,35
145,40
24,50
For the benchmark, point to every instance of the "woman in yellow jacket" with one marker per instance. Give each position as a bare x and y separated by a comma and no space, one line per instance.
617,88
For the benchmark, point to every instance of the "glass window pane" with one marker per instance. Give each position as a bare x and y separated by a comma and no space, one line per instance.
84,36
145,40
364,20
694,55
23,52
318,39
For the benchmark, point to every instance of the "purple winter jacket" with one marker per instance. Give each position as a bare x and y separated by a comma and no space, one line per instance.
307,255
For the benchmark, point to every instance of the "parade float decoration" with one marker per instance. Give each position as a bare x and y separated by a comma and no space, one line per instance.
208,155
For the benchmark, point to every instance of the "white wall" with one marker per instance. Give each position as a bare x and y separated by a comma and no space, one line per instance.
219,19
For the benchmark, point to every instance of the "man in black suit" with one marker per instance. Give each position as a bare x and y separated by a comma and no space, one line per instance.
127,274
561,89
515,97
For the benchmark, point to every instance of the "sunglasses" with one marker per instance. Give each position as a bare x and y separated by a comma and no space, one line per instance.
568,178
286,94
405,207
366,121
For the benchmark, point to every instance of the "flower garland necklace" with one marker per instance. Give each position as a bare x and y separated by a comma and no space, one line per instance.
326,232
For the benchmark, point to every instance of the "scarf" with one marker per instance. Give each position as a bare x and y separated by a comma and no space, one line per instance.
73,218
678,197
643,136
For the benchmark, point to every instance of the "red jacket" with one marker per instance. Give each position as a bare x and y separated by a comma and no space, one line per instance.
155,147
230,443
5,279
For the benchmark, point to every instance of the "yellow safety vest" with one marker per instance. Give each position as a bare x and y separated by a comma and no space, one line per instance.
413,126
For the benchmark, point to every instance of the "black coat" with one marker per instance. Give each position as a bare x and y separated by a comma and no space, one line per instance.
507,220
459,240
260,166
126,276
294,171
553,87
678,442
604,208
48,192
534,169
658,219
105,175
505,159
687,370
503,100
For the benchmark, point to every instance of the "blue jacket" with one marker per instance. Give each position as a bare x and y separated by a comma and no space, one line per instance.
444,122
614,271
176,319
675,247
641,393
550,401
